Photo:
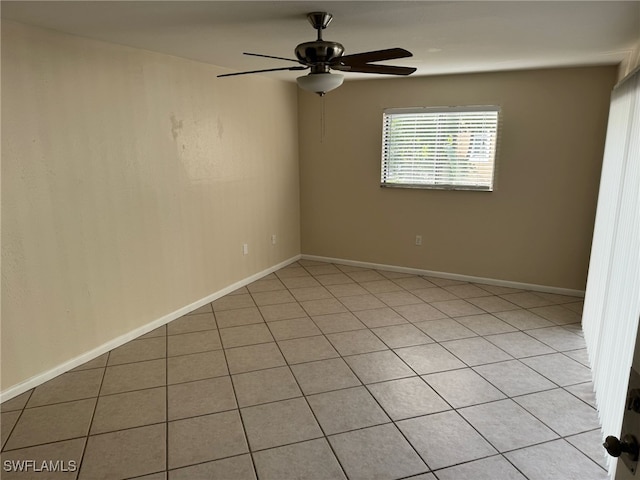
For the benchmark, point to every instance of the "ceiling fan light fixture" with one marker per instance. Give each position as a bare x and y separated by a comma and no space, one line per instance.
320,83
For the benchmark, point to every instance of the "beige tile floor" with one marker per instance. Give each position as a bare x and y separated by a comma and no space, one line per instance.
324,371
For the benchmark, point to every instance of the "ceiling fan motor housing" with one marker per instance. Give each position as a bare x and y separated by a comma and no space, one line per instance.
319,53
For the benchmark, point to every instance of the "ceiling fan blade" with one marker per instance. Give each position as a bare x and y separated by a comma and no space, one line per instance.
270,56
261,71
373,56
370,68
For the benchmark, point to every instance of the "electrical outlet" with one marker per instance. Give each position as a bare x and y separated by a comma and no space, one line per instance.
245,248
273,239
418,239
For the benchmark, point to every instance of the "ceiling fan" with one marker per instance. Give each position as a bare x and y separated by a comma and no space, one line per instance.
321,56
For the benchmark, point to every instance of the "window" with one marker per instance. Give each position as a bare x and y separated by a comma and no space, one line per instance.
450,148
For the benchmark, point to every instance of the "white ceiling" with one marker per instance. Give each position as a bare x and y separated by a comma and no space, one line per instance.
445,37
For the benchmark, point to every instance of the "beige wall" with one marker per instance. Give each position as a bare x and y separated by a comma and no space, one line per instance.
129,182
536,226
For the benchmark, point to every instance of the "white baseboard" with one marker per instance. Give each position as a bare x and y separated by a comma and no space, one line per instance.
451,276
36,380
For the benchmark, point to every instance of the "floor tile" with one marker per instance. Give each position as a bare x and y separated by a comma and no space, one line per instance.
324,269
134,376
126,453
485,324
201,397
195,342
203,309
435,294
583,391
231,302
342,289
397,336
67,387
8,420
303,279
324,375
240,316
323,307
52,423
338,322
192,323
349,409
130,409
419,312
254,357
294,328
507,425
556,459
590,443
444,282
491,468
198,366
361,302
492,304
245,335
523,319
378,366
357,341
560,411
424,359
69,452
476,351
526,299
311,460
263,299
397,299
457,308
381,286
519,344
333,279
280,423
310,293
558,338
205,438
377,452
559,369
498,289
514,378
365,275
307,349
462,388
101,361
16,403
302,312
266,285
413,283
233,468
407,397
264,386
380,317
445,329
139,351
283,311
466,291
445,439
557,314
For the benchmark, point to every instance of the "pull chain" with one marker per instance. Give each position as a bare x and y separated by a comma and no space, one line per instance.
322,119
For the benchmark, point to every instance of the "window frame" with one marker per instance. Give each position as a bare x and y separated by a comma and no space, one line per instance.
435,110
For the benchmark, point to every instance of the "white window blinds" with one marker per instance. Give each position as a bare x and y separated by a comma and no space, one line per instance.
445,148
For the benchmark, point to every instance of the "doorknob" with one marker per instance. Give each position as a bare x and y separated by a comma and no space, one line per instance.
628,445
